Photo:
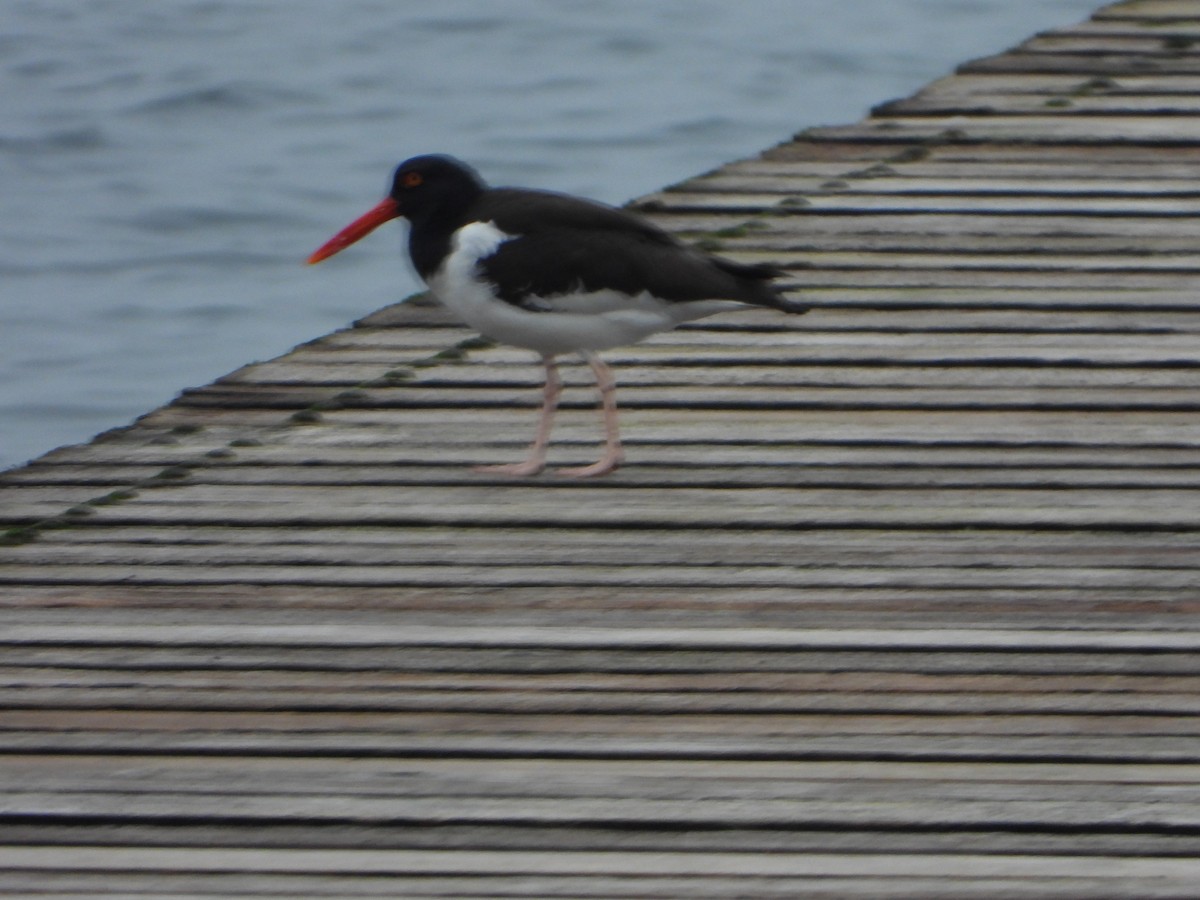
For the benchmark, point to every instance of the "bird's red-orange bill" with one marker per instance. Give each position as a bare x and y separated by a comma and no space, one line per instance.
385,211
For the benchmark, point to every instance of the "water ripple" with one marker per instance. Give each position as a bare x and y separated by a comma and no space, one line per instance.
68,140
235,97
180,263
185,218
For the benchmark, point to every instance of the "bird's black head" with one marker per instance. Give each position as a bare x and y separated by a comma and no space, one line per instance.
433,188
432,192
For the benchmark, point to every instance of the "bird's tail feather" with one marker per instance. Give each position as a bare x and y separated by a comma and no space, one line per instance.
757,278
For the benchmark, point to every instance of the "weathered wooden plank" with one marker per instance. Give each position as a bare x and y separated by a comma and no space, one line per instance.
1045,717
788,340
964,85
894,606
751,328
745,397
692,473
180,569
883,813
464,380
1114,63
1068,104
555,739
478,545
998,202
748,461
1024,709
1044,297
774,355
1015,297
1133,321
884,663
1060,182
946,147
1143,42
676,803
503,837
802,427
823,325
360,862
948,161
416,689
967,226
598,873
1046,278
835,394
722,230
539,886
613,637
748,508
1147,11
302,450
147,773
795,237
381,775
1181,131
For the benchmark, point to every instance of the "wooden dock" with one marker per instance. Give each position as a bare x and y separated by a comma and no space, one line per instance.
897,599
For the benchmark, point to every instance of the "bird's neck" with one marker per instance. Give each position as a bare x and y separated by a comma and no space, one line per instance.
427,247
431,231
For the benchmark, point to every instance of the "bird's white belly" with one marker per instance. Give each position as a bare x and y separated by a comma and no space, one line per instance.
561,324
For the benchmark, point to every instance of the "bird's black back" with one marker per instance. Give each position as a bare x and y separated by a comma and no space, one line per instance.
563,244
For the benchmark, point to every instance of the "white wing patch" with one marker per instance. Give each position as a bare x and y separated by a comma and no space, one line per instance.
475,241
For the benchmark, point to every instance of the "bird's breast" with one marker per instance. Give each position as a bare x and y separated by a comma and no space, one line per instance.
457,281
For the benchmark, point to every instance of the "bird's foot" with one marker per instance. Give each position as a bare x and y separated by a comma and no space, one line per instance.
610,462
524,469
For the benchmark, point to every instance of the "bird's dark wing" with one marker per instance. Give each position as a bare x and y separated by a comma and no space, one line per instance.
562,245
520,211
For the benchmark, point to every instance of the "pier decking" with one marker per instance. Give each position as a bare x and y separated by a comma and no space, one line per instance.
899,598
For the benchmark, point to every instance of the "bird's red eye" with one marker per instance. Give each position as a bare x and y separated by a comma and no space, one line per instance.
412,179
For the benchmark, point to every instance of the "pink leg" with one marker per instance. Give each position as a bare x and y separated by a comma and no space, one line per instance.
613,454
536,461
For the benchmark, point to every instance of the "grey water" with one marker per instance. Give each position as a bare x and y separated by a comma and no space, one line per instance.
166,165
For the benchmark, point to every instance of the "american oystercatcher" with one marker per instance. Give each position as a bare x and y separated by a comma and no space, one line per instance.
554,274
